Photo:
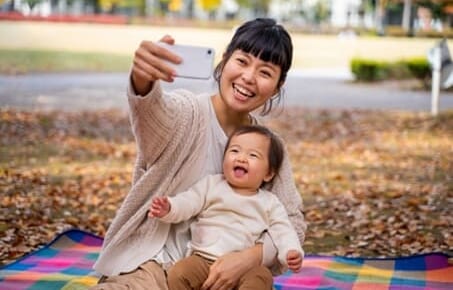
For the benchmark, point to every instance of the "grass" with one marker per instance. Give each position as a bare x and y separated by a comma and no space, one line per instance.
37,61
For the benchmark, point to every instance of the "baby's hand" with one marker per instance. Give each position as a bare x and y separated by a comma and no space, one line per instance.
159,207
294,260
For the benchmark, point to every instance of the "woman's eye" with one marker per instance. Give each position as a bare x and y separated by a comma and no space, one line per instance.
266,74
241,60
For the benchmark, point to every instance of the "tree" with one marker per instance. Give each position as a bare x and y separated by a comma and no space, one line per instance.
406,24
109,5
210,6
32,3
321,11
259,7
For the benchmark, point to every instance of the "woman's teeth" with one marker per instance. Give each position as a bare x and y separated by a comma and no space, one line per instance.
243,91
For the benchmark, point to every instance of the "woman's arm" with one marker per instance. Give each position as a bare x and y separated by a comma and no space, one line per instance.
152,117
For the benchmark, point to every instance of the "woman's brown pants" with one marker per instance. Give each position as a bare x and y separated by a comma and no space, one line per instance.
149,276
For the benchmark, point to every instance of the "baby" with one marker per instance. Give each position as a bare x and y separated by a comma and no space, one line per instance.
232,211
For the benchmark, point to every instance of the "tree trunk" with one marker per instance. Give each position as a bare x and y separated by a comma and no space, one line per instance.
380,16
406,24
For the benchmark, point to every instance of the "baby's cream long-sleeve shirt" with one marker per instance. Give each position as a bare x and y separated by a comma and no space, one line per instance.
226,221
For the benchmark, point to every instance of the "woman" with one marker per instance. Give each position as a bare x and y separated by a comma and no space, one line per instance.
180,138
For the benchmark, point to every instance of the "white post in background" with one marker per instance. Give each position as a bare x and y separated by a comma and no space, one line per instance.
435,85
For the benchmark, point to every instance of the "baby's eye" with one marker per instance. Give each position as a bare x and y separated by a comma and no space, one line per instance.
253,155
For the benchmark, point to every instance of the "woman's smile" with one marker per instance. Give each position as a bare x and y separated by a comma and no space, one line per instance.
242,92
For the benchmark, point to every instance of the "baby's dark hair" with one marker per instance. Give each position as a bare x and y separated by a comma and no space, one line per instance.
266,40
276,151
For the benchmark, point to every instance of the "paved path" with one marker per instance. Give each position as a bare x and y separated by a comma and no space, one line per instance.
308,88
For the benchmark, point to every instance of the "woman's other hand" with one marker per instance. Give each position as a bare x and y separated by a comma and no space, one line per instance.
224,274
149,65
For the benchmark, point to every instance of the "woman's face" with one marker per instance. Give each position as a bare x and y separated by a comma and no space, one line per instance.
247,82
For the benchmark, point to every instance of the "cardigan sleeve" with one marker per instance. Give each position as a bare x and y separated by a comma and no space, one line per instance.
153,118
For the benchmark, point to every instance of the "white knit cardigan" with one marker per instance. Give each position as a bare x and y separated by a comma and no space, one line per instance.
170,131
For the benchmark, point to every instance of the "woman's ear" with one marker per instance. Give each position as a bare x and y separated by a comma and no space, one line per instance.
269,176
279,86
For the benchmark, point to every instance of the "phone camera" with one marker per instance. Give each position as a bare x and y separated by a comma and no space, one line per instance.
209,51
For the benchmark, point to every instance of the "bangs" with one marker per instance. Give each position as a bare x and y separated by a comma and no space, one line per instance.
268,46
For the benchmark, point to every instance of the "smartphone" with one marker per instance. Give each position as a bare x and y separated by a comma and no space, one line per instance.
197,61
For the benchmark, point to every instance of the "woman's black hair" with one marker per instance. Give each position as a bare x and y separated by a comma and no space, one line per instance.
265,39
275,152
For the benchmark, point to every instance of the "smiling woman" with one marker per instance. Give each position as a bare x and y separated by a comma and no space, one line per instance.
26,61
181,137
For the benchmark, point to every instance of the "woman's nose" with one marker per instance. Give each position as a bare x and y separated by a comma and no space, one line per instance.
248,75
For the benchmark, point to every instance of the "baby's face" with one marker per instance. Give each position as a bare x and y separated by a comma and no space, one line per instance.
246,164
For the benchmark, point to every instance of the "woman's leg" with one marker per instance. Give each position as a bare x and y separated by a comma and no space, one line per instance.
257,278
188,273
149,275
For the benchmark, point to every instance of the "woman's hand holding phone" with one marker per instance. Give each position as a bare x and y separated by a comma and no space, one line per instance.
164,60
151,63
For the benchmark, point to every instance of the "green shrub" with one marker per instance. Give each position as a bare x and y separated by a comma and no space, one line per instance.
372,70
368,70
419,67
398,70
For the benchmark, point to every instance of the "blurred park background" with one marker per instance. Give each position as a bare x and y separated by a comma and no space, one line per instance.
374,40
376,182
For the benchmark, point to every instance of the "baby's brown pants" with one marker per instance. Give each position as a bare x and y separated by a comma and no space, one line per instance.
191,272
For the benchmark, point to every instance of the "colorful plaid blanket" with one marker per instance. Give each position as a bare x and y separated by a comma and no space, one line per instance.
66,263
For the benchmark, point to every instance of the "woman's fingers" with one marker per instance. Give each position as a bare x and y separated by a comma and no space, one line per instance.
167,39
151,61
212,277
220,278
150,66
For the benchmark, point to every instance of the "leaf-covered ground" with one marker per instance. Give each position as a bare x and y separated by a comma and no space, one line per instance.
376,184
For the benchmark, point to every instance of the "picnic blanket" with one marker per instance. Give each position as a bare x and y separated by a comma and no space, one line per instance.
66,263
